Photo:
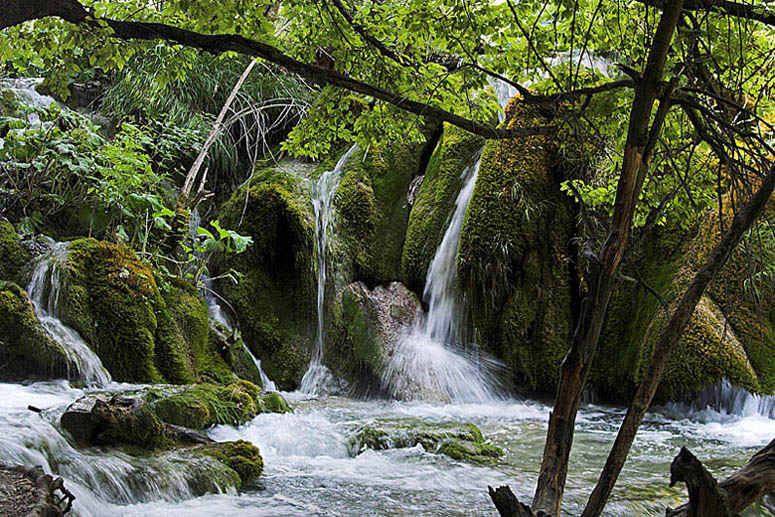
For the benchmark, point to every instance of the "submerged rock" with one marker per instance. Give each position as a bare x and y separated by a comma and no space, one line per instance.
26,349
460,441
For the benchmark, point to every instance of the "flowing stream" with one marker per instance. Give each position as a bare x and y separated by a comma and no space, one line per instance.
318,379
309,470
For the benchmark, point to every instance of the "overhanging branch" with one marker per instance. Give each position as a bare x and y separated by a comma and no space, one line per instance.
15,12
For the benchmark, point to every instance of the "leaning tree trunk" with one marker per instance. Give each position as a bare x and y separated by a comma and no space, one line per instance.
576,365
668,340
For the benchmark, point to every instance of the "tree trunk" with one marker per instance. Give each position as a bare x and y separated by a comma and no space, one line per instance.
576,365
730,497
667,341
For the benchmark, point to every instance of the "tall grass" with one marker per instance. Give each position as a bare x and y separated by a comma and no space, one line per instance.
268,105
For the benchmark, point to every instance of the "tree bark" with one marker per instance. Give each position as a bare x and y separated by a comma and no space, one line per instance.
576,365
730,497
14,12
668,340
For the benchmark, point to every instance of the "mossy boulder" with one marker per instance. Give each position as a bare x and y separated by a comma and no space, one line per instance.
435,201
368,329
728,337
460,441
13,257
241,456
372,209
26,348
114,420
515,257
275,299
141,332
203,405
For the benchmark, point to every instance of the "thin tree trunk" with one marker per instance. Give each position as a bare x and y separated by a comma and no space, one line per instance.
668,340
217,129
576,365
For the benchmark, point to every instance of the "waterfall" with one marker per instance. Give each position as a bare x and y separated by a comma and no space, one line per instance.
318,379
44,290
725,398
24,90
430,361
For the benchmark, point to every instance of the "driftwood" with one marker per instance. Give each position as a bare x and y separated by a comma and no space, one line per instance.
729,497
43,499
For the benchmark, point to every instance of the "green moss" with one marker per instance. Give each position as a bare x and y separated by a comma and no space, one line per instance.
275,298
469,451
514,254
463,442
189,313
241,456
273,403
25,346
111,299
373,212
203,405
12,256
435,202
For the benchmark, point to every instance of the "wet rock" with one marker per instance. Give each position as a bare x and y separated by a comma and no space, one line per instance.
94,419
460,441
26,349
414,188
370,327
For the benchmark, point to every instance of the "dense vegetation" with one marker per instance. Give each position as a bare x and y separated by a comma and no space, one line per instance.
621,207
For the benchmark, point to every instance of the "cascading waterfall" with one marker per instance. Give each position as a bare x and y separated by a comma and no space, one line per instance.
44,290
24,90
725,398
430,361
318,379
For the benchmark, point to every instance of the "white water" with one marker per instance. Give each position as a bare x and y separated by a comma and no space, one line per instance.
318,379
432,362
309,469
731,400
44,290
25,92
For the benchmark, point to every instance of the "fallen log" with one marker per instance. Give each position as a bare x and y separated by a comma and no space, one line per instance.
733,495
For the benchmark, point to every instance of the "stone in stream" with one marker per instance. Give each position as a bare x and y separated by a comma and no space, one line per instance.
459,441
136,424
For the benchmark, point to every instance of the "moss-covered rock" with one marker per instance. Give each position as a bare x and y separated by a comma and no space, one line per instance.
142,333
111,299
460,441
115,420
514,254
728,337
26,348
12,256
372,209
200,406
241,456
368,329
274,301
435,201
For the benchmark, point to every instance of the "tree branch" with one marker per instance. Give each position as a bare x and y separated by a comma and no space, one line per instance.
15,12
738,10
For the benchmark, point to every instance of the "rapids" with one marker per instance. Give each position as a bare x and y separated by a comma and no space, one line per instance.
308,470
